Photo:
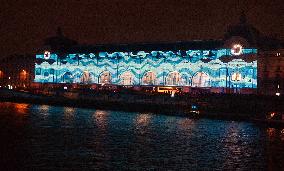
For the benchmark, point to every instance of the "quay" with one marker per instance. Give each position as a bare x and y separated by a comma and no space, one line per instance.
220,106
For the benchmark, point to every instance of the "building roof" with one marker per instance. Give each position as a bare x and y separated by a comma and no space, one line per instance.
154,46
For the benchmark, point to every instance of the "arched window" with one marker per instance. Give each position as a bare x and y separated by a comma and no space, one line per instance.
174,78
67,77
149,78
126,78
201,79
105,77
185,80
86,78
45,74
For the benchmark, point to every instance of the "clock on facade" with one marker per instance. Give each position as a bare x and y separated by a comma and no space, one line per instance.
46,54
237,49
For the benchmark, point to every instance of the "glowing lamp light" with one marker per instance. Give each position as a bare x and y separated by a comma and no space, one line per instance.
237,49
46,54
65,88
10,87
277,94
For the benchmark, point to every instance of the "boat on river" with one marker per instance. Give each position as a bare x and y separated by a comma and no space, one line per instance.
193,111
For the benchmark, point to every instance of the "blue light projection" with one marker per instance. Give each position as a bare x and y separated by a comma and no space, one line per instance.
196,68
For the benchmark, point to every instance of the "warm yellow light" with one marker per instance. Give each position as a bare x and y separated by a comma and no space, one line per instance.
237,49
236,77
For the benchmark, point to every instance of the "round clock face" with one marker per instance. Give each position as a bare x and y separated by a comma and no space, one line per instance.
46,54
237,49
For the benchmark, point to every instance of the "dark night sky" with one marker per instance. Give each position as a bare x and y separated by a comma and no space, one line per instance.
25,23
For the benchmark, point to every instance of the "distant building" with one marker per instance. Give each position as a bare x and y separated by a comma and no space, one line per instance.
17,70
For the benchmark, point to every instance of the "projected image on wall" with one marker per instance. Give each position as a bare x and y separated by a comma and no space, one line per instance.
195,68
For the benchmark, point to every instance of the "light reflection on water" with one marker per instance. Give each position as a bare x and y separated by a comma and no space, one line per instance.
100,119
72,138
69,114
21,108
141,123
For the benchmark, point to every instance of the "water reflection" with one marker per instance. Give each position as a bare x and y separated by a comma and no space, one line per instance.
69,115
233,148
141,122
282,134
21,108
186,125
43,111
77,139
100,119
43,108
271,132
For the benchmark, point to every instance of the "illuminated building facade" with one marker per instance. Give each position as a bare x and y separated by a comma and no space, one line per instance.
223,68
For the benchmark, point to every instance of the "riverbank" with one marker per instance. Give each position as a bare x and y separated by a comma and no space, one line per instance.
233,107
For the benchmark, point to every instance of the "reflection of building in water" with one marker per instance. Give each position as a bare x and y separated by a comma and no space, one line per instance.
69,114
271,132
43,110
100,119
186,124
21,108
141,122
143,119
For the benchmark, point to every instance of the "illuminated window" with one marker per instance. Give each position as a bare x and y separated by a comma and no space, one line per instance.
236,76
201,80
38,71
46,74
105,77
174,78
67,77
149,78
126,78
86,78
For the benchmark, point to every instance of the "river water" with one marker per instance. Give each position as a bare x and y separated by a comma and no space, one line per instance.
63,138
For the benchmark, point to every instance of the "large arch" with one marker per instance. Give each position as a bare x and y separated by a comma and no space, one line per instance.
149,78
126,78
173,78
201,79
67,77
105,77
86,78
185,79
